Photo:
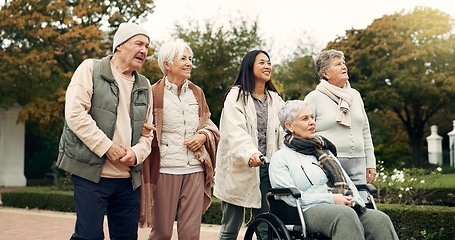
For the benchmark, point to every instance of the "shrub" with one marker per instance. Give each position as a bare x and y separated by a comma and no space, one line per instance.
41,198
417,196
421,222
412,186
213,214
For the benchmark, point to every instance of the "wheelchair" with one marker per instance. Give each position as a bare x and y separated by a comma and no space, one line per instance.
284,222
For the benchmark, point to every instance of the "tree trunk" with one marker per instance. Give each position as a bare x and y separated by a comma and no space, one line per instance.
416,145
416,137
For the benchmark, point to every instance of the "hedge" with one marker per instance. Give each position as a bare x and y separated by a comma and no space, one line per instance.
40,198
410,221
421,222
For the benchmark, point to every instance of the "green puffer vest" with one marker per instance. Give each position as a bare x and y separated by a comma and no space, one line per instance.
74,156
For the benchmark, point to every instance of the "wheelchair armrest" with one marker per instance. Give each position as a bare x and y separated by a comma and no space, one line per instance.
367,187
285,191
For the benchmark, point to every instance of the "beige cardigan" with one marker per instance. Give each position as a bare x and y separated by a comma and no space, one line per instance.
206,154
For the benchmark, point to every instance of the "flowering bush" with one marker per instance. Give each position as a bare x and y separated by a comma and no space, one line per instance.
404,186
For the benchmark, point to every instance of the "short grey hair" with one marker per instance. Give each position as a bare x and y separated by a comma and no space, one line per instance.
171,49
289,110
323,60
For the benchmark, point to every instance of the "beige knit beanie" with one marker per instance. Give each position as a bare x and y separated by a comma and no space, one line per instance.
127,31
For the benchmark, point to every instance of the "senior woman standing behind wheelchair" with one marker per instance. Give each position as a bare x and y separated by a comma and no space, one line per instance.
297,165
340,115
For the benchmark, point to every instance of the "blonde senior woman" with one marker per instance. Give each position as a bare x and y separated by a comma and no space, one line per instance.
307,162
178,175
340,116
249,128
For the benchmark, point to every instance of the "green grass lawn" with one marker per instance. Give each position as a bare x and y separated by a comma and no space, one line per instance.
445,180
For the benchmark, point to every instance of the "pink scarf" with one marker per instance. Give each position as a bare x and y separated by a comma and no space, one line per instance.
342,96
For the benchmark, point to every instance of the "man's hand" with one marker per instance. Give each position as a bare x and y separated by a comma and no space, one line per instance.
255,161
129,159
195,142
115,152
147,130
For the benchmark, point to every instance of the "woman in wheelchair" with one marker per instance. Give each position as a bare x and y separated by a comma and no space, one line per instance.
307,162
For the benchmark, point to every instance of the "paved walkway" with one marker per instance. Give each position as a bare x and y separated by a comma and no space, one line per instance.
21,224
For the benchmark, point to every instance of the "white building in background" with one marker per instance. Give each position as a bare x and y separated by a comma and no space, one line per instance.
12,148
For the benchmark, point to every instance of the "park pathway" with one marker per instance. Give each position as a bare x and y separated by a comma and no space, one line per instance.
22,224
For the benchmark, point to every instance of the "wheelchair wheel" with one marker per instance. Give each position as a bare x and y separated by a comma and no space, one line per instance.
274,227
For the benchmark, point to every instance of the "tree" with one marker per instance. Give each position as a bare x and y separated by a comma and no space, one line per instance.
150,69
43,42
404,64
297,76
218,53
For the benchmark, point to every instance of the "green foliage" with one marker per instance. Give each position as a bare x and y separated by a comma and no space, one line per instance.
218,53
418,196
62,179
150,69
378,128
421,222
403,64
44,41
413,186
394,155
297,77
41,152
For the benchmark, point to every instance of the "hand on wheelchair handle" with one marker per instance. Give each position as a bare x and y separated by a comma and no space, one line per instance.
255,160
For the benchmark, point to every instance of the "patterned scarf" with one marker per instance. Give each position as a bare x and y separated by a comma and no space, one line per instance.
315,146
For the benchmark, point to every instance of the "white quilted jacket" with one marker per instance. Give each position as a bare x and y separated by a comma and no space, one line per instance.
180,122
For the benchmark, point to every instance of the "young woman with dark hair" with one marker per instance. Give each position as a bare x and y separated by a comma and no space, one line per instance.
249,129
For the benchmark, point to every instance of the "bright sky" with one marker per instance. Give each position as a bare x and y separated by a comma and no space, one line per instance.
284,23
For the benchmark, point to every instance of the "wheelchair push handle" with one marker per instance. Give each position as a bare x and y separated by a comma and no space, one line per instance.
264,159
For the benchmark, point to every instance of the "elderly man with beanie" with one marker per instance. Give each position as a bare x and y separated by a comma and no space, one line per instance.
107,104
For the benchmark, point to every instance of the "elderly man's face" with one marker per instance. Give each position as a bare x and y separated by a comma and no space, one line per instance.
303,125
134,51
